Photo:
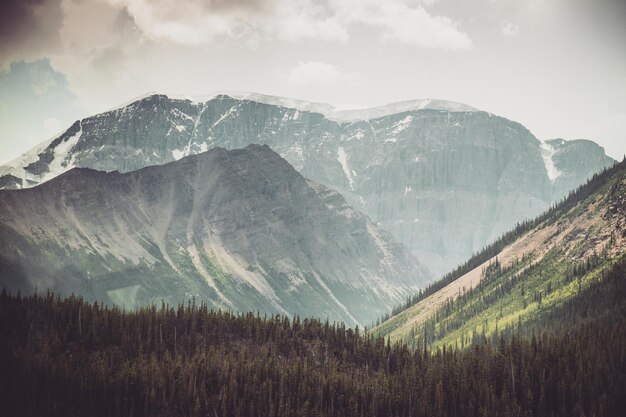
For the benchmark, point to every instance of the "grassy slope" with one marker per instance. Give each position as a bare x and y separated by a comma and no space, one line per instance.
538,282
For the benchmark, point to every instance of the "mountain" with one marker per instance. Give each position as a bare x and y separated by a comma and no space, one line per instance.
238,229
574,160
535,277
444,178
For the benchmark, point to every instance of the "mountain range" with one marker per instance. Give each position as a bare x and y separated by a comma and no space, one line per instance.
444,178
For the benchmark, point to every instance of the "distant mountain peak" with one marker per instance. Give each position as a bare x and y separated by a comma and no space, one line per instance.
330,111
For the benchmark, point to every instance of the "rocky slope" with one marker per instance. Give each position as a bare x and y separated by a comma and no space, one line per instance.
443,177
237,229
529,275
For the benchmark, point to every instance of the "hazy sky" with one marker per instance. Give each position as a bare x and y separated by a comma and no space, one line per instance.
556,66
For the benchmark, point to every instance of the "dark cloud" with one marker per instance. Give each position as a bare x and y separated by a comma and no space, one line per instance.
29,28
106,62
124,24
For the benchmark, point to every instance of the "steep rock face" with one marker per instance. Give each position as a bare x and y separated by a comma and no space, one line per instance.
238,229
576,161
444,178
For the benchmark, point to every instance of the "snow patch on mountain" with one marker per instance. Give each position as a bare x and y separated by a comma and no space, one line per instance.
342,157
334,113
61,162
26,158
547,153
16,166
349,115
177,154
223,116
402,124
63,158
358,135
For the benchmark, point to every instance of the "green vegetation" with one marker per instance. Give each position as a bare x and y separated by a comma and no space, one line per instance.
67,357
568,208
507,301
509,298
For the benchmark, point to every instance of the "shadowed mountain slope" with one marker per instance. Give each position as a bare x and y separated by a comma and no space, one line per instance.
239,229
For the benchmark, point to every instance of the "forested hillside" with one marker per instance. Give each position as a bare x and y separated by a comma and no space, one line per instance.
69,358
530,273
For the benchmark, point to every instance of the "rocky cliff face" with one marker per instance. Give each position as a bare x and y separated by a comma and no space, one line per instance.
575,161
444,178
238,229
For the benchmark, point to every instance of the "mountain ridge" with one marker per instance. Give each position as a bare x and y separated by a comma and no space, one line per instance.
341,114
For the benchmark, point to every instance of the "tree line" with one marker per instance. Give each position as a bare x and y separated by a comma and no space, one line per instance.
67,357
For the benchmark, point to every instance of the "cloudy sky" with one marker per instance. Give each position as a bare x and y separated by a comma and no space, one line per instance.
556,66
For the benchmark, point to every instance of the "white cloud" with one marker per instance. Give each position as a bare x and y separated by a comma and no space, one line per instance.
197,22
607,130
319,73
509,29
405,22
52,126
300,23
416,26
35,103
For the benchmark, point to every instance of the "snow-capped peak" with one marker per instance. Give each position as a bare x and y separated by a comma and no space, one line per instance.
335,113
26,158
399,107
59,157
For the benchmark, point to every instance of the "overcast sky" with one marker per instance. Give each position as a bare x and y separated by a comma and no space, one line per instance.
556,66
